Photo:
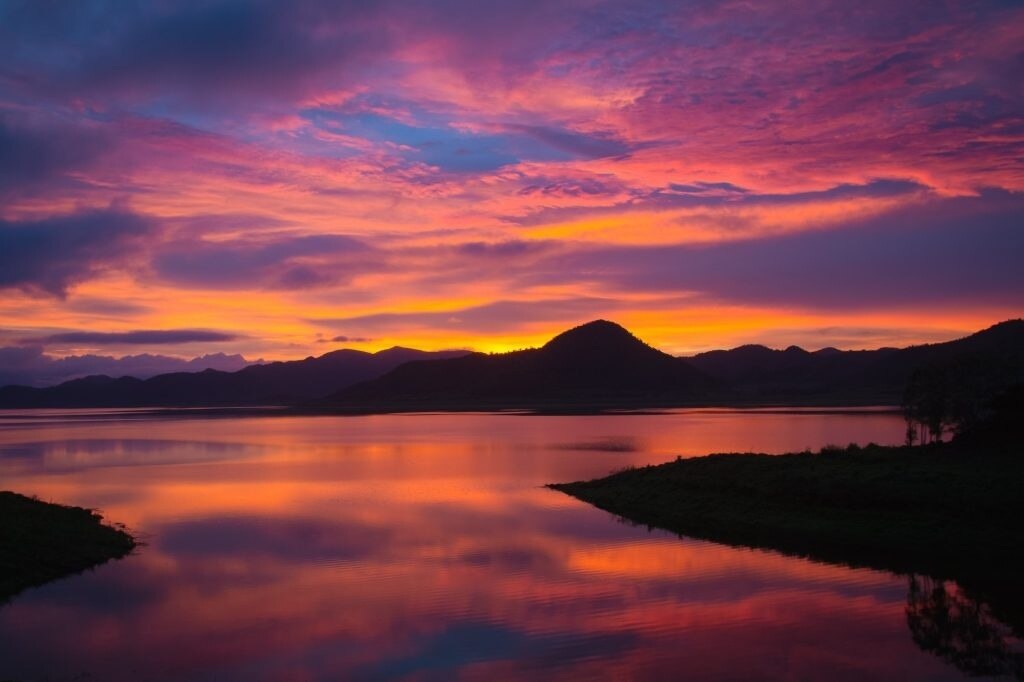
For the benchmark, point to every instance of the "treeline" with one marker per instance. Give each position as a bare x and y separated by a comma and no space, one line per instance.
979,395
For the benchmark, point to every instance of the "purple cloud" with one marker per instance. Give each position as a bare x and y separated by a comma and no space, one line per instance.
194,53
715,195
491,317
33,154
276,262
50,255
945,251
347,339
139,337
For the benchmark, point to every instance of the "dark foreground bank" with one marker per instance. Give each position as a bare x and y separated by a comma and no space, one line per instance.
40,542
946,510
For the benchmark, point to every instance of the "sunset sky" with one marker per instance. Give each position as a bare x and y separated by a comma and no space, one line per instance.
279,180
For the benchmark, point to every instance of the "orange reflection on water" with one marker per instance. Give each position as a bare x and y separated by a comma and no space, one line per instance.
424,547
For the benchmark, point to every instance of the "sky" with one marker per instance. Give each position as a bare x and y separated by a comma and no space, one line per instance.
277,180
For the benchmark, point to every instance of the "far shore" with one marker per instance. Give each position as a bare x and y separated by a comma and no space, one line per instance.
41,541
235,411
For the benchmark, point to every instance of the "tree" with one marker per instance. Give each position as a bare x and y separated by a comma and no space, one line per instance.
957,396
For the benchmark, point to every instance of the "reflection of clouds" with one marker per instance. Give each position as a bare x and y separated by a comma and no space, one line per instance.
67,456
214,587
299,540
368,548
601,445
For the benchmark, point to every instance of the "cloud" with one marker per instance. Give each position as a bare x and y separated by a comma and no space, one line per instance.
510,248
200,54
492,153
576,144
33,154
948,251
53,254
570,187
271,262
346,339
491,317
148,337
709,195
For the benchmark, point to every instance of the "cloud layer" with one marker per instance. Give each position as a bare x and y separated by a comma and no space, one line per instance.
482,174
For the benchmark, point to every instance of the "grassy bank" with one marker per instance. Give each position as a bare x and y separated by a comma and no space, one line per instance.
948,510
40,542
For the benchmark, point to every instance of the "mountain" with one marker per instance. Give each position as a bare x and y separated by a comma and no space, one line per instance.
275,383
598,363
30,366
760,374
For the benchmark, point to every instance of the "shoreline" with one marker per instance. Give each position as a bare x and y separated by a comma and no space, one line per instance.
41,542
948,510
242,411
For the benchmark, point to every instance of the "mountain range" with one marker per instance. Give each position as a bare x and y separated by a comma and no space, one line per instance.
275,383
596,365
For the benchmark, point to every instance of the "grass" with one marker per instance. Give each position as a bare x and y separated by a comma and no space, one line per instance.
945,510
40,542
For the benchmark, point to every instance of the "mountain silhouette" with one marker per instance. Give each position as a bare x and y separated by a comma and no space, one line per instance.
596,363
759,374
275,383
602,364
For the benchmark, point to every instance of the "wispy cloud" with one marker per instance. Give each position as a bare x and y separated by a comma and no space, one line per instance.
147,337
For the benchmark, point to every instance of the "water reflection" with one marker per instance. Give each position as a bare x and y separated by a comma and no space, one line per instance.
74,455
425,548
955,625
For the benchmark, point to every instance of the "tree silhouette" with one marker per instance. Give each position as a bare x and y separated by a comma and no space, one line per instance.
958,396
946,621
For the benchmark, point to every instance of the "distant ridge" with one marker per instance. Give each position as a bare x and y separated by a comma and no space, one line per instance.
596,363
759,374
600,364
275,383
593,366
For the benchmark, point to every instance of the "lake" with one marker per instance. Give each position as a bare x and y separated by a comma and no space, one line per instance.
425,547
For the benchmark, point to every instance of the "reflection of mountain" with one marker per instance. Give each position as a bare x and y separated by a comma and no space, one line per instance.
273,383
951,623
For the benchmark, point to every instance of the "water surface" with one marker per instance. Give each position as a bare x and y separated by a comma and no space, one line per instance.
425,547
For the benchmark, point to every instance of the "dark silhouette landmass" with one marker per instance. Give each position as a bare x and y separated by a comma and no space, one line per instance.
760,374
940,512
945,511
276,383
601,365
598,363
40,542
593,367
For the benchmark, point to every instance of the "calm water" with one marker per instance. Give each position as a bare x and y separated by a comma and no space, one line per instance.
424,547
